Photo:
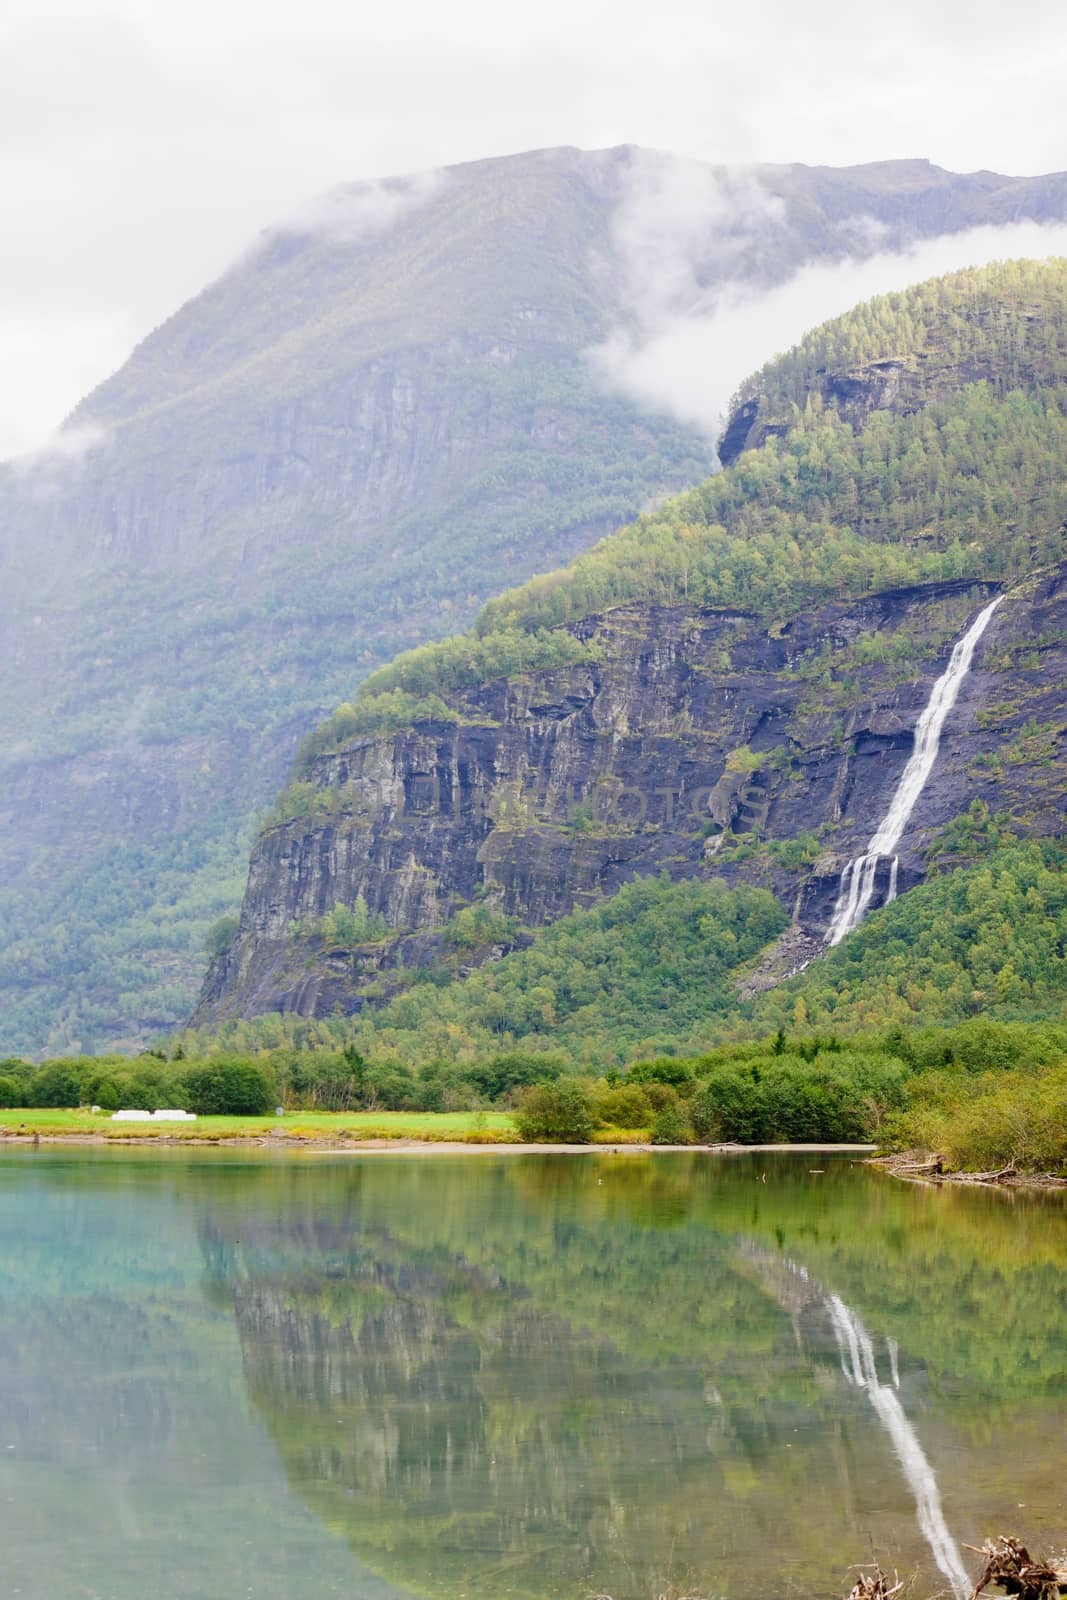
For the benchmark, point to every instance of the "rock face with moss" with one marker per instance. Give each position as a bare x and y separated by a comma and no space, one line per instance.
701,744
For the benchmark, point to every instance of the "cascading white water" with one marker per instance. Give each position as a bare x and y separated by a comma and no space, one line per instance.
857,880
857,1363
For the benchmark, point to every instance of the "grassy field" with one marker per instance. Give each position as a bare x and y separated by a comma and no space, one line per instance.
470,1127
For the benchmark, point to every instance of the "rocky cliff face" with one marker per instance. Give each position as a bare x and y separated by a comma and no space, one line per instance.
695,733
875,386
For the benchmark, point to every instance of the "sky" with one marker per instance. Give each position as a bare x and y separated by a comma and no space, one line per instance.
144,144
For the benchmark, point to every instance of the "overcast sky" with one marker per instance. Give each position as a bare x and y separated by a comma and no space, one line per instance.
144,143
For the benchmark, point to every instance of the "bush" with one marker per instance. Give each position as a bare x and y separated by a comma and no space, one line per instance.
146,1088
391,1087
728,1106
627,1106
667,1069
11,1092
671,1126
515,1069
555,1113
221,934
229,1087
978,1123
660,1095
706,1117
57,1083
107,1095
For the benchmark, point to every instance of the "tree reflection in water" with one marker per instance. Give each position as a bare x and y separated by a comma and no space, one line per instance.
539,1376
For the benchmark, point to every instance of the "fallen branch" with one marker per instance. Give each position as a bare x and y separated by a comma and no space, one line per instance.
874,1585
1010,1171
1011,1567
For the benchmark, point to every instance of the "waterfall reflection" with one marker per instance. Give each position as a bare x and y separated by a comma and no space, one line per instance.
798,1291
534,1377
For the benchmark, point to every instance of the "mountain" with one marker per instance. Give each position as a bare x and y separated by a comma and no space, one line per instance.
381,416
729,688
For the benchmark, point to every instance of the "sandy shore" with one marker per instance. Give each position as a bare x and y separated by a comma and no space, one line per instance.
455,1146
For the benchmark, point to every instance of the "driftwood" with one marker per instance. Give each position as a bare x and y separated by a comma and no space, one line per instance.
1010,1171
1008,1566
1011,1567
872,1584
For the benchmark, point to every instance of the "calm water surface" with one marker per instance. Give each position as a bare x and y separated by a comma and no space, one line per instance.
477,1377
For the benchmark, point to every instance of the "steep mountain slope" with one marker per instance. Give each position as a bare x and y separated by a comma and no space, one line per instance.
755,682
376,420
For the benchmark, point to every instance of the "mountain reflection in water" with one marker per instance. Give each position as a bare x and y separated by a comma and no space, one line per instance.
482,1377
545,1376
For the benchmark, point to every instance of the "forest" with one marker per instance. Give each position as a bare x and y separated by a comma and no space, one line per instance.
938,1024
965,481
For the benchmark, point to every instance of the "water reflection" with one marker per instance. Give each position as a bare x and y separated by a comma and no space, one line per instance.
489,1377
797,1289
548,1377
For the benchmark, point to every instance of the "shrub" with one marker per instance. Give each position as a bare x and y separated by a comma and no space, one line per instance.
627,1106
391,1087
671,1126
706,1117
221,934
557,1113
660,1095
666,1069
515,1069
107,1095
345,926
473,926
728,1106
984,1122
57,1083
11,1092
148,1087
225,1086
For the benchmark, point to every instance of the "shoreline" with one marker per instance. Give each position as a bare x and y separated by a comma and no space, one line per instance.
903,1166
332,1144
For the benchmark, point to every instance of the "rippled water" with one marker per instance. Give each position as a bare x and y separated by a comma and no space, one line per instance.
492,1376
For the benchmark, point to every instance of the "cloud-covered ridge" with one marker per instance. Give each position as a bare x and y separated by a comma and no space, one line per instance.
356,211
693,324
62,452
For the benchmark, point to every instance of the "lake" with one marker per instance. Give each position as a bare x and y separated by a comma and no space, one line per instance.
227,1375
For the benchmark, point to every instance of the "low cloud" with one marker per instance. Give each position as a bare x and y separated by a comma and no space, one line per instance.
42,472
356,211
686,351
680,228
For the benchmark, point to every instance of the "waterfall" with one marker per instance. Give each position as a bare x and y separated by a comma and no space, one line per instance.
857,1363
857,880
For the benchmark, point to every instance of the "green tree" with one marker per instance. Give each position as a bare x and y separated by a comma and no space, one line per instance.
221,934
228,1086
556,1113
